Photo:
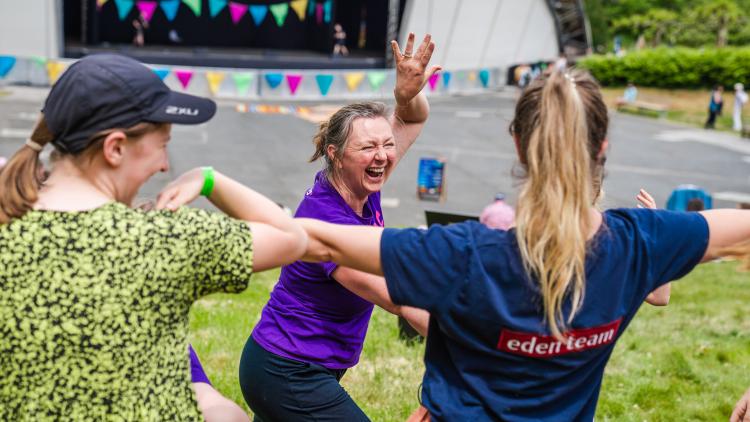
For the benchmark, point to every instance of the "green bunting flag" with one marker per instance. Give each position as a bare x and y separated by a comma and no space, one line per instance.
279,12
242,82
376,79
194,5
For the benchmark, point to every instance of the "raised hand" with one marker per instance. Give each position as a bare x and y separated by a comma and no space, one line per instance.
645,199
181,191
411,68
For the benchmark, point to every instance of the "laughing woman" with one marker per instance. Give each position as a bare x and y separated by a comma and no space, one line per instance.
314,325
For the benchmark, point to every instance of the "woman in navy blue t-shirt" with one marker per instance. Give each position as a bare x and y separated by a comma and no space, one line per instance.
524,321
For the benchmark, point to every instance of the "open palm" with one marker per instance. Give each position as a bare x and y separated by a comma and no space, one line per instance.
411,68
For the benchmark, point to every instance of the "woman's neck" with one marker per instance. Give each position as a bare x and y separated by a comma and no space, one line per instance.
69,189
357,203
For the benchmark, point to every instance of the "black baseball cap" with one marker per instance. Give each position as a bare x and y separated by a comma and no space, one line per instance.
106,91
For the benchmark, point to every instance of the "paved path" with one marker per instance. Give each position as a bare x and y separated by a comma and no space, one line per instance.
270,151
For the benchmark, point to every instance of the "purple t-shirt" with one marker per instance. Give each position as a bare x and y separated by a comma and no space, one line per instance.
310,317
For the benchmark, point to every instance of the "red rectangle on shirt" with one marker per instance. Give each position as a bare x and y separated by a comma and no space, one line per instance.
543,346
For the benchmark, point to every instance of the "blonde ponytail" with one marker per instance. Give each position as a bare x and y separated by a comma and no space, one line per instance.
560,154
20,179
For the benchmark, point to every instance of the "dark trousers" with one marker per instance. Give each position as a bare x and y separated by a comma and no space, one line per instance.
281,389
711,122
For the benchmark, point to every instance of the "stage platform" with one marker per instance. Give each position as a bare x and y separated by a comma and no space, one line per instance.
233,58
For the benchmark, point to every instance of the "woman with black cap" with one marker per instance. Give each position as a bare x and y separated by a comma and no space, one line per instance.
94,295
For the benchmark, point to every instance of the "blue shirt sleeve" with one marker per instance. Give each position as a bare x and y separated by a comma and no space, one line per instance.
424,268
675,242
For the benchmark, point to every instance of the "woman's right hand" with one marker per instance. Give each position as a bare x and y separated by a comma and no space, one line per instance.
741,411
181,191
645,199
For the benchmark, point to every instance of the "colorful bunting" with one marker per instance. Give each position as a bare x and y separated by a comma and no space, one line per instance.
274,79
147,9
184,76
310,7
324,83
259,12
242,82
39,60
194,5
353,80
214,80
376,79
216,6
472,76
484,76
279,12
327,8
461,75
293,80
169,7
319,13
123,8
6,64
100,3
161,73
299,7
54,69
433,81
446,79
237,11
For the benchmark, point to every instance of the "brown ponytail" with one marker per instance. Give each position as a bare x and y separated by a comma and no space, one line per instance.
336,130
20,178
560,124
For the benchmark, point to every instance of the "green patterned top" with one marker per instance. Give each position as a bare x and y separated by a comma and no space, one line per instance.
94,309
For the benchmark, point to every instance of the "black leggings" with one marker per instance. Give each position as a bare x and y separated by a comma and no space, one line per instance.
281,389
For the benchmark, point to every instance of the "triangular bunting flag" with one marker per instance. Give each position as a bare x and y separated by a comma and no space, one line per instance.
433,81
161,73
327,9
184,76
237,11
39,60
279,12
242,82
169,7
216,6
472,76
293,81
376,79
319,13
259,12
274,79
147,9
353,80
461,75
310,7
324,83
214,81
194,5
54,69
100,3
123,8
446,79
6,64
484,77
299,7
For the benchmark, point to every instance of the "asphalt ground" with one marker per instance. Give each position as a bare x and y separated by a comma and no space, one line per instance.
269,152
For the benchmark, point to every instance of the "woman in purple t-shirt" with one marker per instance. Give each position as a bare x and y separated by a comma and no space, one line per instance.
314,324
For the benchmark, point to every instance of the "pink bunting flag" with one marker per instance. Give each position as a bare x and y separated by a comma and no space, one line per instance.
433,81
237,11
184,76
147,9
293,81
319,13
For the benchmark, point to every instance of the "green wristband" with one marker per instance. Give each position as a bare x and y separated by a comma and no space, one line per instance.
208,181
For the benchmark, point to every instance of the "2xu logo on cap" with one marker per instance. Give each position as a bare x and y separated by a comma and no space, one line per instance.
181,111
542,346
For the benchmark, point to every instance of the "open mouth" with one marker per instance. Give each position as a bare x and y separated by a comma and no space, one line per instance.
375,172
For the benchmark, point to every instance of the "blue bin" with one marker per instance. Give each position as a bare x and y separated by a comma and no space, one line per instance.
680,197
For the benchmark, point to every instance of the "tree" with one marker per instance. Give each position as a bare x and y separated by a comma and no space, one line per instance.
656,24
720,16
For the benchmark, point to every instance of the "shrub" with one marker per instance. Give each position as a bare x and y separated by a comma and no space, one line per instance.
672,67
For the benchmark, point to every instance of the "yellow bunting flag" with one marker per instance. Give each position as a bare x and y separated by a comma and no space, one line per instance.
472,76
54,69
354,79
299,7
214,81
100,3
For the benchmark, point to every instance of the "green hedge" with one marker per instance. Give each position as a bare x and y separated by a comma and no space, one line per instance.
672,67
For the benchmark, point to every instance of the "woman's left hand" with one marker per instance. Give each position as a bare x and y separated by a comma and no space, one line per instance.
411,73
181,191
645,200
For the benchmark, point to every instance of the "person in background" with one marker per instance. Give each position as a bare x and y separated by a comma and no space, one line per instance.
140,24
498,214
715,106
740,98
339,41
629,96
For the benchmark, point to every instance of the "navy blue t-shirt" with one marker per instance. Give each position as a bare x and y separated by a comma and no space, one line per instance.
489,354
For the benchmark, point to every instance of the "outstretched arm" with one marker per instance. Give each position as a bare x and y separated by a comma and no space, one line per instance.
357,247
726,228
412,74
660,296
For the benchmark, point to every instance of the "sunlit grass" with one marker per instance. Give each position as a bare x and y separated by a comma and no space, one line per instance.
688,361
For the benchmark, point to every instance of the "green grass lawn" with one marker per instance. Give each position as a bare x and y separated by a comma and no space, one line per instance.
688,361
